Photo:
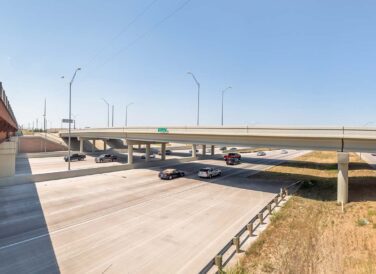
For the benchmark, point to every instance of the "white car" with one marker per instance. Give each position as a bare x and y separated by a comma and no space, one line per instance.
209,172
261,153
284,151
151,156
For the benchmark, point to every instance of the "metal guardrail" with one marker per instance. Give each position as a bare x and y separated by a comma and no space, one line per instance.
4,98
252,225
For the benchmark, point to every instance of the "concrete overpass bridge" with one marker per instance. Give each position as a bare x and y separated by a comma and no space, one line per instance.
340,139
8,122
8,128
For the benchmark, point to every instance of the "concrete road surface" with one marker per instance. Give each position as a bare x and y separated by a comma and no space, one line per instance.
369,158
54,164
130,221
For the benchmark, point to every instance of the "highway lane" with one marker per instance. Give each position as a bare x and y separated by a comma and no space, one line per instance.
54,164
369,158
129,221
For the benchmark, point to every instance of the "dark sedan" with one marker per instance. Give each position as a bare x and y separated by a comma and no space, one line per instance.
75,157
169,174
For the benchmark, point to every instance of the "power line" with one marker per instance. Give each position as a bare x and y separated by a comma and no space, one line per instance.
146,33
123,30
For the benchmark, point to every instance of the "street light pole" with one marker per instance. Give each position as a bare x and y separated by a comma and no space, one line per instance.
108,112
70,118
113,115
223,93
126,114
198,97
45,125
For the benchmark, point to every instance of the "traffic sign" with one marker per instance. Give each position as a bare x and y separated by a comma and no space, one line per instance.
162,130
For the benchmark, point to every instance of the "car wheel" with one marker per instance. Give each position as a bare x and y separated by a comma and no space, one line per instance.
220,173
101,161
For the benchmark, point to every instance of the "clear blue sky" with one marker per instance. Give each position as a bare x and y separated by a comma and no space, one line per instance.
289,62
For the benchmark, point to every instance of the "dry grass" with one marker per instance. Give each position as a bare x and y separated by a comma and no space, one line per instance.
311,234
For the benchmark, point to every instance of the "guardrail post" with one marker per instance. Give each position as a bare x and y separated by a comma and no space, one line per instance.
236,242
218,262
250,229
276,201
261,217
269,208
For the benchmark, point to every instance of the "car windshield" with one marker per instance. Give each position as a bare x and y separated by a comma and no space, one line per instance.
169,171
204,169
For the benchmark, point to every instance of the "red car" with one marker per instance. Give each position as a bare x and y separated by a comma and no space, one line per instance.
232,155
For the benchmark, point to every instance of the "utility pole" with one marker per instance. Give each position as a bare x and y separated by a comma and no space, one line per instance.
223,93
113,115
198,97
126,114
108,112
70,117
45,124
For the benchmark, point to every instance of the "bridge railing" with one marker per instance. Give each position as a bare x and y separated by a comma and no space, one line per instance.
4,99
225,255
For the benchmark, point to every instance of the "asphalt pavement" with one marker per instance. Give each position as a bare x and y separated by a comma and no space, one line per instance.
130,221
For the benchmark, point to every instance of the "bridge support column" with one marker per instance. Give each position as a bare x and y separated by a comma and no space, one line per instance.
93,146
203,150
147,152
104,145
81,145
130,152
343,177
8,151
194,147
163,151
212,150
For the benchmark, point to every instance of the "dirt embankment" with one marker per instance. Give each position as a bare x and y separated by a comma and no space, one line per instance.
311,234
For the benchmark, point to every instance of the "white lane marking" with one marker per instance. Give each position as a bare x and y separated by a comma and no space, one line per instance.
115,212
143,242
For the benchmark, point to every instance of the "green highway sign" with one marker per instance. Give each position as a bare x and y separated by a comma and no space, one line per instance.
162,130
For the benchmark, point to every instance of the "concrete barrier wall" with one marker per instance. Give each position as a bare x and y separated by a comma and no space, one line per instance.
34,178
44,154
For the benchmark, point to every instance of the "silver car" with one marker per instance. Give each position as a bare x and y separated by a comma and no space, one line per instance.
261,153
209,172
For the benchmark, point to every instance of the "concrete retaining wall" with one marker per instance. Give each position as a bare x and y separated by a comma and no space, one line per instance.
34,178
29,144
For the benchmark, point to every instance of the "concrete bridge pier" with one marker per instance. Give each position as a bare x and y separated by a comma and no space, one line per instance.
93,147
163,151
203,150
147,152
81,145
343,177
130,152
194,147
212,150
